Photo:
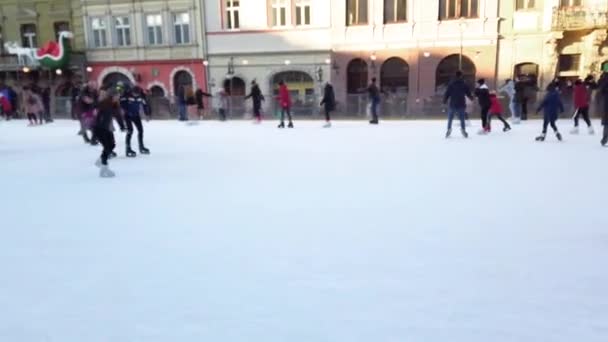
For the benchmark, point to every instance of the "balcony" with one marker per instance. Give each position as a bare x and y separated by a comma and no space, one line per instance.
579,18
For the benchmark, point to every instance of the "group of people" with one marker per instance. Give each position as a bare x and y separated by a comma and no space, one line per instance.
551,105
34,101
98,108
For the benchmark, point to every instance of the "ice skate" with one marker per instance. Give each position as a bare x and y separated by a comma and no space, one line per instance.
574,131
327,125
98,162
483,131
604,141
130,153
448,133
558,136
591,130
290,125
94,142
506,129
281,125
541,137
373,122
144,150
112,155
464,133
105,172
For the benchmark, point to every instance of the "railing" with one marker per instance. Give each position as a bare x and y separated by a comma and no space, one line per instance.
9,63
391,105
579,18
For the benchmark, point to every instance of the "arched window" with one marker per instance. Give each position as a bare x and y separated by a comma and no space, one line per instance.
113,78
182,78
446,69
356,76
527,72
394,75
235,86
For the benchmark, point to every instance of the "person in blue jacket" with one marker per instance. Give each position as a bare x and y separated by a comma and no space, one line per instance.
551,106
456,95
133,102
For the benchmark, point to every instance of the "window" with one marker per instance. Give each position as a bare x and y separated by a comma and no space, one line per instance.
232,14
99,31
356,12
122,25
356,76
28,35
181,28
524,5
455,9
154,27
302,12
279,12
570,3
395,11
569,62
60,26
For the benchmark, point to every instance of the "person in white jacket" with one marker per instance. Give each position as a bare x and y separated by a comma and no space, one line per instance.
509,89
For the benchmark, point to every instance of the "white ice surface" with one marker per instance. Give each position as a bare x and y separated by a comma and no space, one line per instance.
235,232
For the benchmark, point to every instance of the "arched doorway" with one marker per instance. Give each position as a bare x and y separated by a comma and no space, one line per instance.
446,69
181,79
157,91
356,76
301,88
235,86
394,81
113,78
159,103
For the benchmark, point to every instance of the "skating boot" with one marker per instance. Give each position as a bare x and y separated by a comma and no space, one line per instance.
464,133
483,131
373,122
591,130
281,125
558,136
574,131
604,141
98,162
448,133
94,142
144,150
327,125
506,129
105,172
541,137
112,155
290,125
130,153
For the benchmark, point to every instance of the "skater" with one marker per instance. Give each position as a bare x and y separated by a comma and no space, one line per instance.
221,103
109,108
374,100
133,104
581,105
200,103
182,103
456,94
32,106
285,103
552,106
328,103
5,106
602,87
483,98
514,105
256,96
496,110
88,98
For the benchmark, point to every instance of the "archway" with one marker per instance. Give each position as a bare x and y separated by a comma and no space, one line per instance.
301,88
394,75
446,69
235,86
113,78
356,76
527,72
181,79
157,91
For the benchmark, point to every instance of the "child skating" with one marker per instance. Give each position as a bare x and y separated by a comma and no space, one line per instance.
551,106
32,106
582,94
496,111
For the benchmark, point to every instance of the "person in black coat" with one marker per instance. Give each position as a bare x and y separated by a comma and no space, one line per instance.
455,97
551,106
329,103
483,98
108,109
200,103
602,86
256,96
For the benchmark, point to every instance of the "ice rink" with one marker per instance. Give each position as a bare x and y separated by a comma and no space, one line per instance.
232,232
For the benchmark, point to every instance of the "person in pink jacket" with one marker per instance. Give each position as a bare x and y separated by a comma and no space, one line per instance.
285,103
32,105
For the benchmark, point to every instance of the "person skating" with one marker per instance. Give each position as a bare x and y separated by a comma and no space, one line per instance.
109,108
88,99
256,96
455,97
496,111
32,106
581,105
603,93
373,93
285,103
221,103
551,106
200,102
328,103
514,105
483,98
133,104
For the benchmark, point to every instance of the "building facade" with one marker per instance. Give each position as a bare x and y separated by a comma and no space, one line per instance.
157,44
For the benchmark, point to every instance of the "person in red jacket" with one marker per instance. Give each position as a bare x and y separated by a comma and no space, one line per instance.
496,110
581,105
5,106
285,103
